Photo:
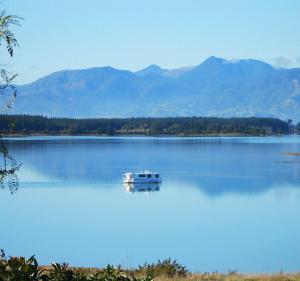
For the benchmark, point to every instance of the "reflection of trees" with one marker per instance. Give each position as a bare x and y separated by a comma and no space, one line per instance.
8,176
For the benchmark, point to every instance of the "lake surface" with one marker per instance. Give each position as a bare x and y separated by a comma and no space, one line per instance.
224,203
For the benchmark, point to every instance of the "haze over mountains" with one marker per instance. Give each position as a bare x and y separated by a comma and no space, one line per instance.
216,87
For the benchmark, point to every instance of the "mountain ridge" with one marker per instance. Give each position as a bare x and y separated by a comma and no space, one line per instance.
215,87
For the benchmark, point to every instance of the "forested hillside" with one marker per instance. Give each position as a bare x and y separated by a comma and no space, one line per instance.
26,124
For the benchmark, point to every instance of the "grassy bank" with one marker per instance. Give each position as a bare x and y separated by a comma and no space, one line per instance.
236,277
230,276
22,269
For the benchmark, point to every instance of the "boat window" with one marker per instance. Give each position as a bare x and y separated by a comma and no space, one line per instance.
142,176
148,176
157,176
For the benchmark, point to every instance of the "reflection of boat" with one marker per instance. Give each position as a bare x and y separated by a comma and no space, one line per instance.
141,187
142,177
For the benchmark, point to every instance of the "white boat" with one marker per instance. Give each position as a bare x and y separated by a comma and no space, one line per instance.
142,177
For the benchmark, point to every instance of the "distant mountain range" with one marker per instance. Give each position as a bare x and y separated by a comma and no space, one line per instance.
216,87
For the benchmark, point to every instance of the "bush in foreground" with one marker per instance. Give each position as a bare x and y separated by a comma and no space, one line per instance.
167,268
22,269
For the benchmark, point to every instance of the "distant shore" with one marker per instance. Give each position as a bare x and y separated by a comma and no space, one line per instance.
21,125
142,135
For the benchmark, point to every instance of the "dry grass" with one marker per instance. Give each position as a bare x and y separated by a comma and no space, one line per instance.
235,277
232,276
21,269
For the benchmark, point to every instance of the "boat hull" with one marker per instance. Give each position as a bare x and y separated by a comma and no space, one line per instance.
142,181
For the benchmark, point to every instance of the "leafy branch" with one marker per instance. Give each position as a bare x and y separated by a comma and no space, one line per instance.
8,92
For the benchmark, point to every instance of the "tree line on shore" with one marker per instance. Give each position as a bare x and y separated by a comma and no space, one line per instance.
29,124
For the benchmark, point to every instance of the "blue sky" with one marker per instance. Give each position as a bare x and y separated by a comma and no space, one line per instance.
131,34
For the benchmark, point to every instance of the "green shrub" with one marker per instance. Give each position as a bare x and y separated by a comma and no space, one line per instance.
166,268
22,269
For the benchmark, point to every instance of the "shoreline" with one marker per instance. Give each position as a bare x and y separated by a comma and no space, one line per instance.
146,135
12,125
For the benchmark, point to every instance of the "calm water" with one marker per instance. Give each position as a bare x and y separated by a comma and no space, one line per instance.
225,203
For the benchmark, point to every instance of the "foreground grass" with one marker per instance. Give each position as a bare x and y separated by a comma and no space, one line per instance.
22,269
231,276
234,277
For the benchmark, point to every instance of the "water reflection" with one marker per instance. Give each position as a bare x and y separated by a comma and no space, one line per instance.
80,213
141,187
214,165
8,169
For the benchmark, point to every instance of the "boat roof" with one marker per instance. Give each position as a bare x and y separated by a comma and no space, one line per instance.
145,172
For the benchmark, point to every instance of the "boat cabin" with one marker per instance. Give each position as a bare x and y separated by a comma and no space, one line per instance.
145,176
